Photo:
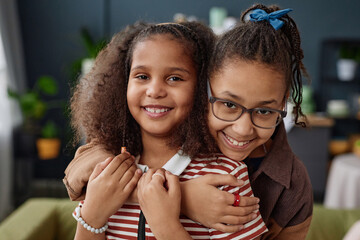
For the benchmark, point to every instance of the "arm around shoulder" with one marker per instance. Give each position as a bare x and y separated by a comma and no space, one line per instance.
80,168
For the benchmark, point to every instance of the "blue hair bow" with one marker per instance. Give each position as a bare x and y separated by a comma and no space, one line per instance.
260,15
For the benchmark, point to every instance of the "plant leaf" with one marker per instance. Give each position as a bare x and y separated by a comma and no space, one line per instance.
48,85
50,130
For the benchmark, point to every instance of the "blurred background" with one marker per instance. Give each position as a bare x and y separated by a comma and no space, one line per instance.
47,44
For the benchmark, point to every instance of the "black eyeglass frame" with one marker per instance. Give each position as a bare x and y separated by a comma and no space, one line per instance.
212,100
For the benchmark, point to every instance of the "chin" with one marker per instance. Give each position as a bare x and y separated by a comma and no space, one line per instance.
235,155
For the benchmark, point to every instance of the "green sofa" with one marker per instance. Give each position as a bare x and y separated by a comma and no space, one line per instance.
331,224
50,219
40,219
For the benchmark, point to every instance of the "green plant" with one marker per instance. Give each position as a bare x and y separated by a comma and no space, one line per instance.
33,104
348,51
50,130
92,48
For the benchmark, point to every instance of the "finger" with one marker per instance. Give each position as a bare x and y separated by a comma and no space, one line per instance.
248,201
227,228
127,175
130,186
140,183
159,176
99,168
123,168
173,184
224,179
237,220
240,211
115,163
148,175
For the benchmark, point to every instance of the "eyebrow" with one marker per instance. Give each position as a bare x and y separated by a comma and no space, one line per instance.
170,68
237,98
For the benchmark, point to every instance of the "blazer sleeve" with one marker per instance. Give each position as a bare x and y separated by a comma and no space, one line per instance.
80,168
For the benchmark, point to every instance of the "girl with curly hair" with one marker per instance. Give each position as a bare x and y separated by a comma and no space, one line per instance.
147,91
255,68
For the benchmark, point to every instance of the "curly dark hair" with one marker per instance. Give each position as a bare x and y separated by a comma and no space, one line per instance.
99,106
259,41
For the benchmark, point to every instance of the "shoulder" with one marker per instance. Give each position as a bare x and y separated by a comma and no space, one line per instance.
297,200
300,180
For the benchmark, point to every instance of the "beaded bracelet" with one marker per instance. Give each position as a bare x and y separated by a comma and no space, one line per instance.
76,215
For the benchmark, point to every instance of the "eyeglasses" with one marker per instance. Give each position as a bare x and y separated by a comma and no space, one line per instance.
230,111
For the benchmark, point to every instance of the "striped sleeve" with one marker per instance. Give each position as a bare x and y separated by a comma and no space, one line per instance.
252,229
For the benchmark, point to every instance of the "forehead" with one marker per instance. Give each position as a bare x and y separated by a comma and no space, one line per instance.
162,48
249,80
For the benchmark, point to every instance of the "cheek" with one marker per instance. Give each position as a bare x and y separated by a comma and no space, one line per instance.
131,95
186,96
265,135
213,123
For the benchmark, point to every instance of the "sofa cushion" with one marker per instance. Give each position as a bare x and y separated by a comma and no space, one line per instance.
331,224
40,218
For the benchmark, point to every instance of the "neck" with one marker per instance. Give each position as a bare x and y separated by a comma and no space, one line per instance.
156,151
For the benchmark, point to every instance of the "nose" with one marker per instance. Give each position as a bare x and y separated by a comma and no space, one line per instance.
156,89
243,126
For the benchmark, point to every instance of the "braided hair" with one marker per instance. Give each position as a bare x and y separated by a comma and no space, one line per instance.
260,42
99,105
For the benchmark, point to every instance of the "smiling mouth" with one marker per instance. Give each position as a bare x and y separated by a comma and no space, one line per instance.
156,110
235,142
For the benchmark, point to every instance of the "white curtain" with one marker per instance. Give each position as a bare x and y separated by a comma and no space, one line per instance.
12,74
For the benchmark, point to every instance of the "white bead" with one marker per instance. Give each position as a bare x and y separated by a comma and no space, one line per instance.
87,226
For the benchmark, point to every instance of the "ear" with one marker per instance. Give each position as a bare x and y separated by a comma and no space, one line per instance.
286,98
287,94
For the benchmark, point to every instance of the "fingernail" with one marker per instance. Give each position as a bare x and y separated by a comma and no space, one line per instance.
241,227
257,200
257,206
240,181
108,159
138,171
253,216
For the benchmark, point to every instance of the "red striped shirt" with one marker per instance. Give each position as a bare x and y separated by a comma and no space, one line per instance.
124,223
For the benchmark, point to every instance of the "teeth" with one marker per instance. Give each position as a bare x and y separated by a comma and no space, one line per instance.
157,110
236,143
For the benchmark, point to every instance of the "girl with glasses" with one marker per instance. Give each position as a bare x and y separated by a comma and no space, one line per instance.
256,68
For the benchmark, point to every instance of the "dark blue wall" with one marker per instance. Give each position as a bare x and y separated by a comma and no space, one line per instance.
50,28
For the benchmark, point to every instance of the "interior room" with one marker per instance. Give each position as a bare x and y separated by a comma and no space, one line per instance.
45,46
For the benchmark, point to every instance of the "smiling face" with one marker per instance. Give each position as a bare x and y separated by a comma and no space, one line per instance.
253,85
161,85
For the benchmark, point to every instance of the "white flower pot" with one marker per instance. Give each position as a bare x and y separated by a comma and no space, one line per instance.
346,69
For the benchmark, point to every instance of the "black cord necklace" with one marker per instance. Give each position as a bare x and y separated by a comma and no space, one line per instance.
141,226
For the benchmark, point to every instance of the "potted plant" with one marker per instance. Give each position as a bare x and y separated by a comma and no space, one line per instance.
48,144
34,105
349,56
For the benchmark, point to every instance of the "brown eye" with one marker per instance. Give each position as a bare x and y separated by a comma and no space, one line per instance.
229,104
